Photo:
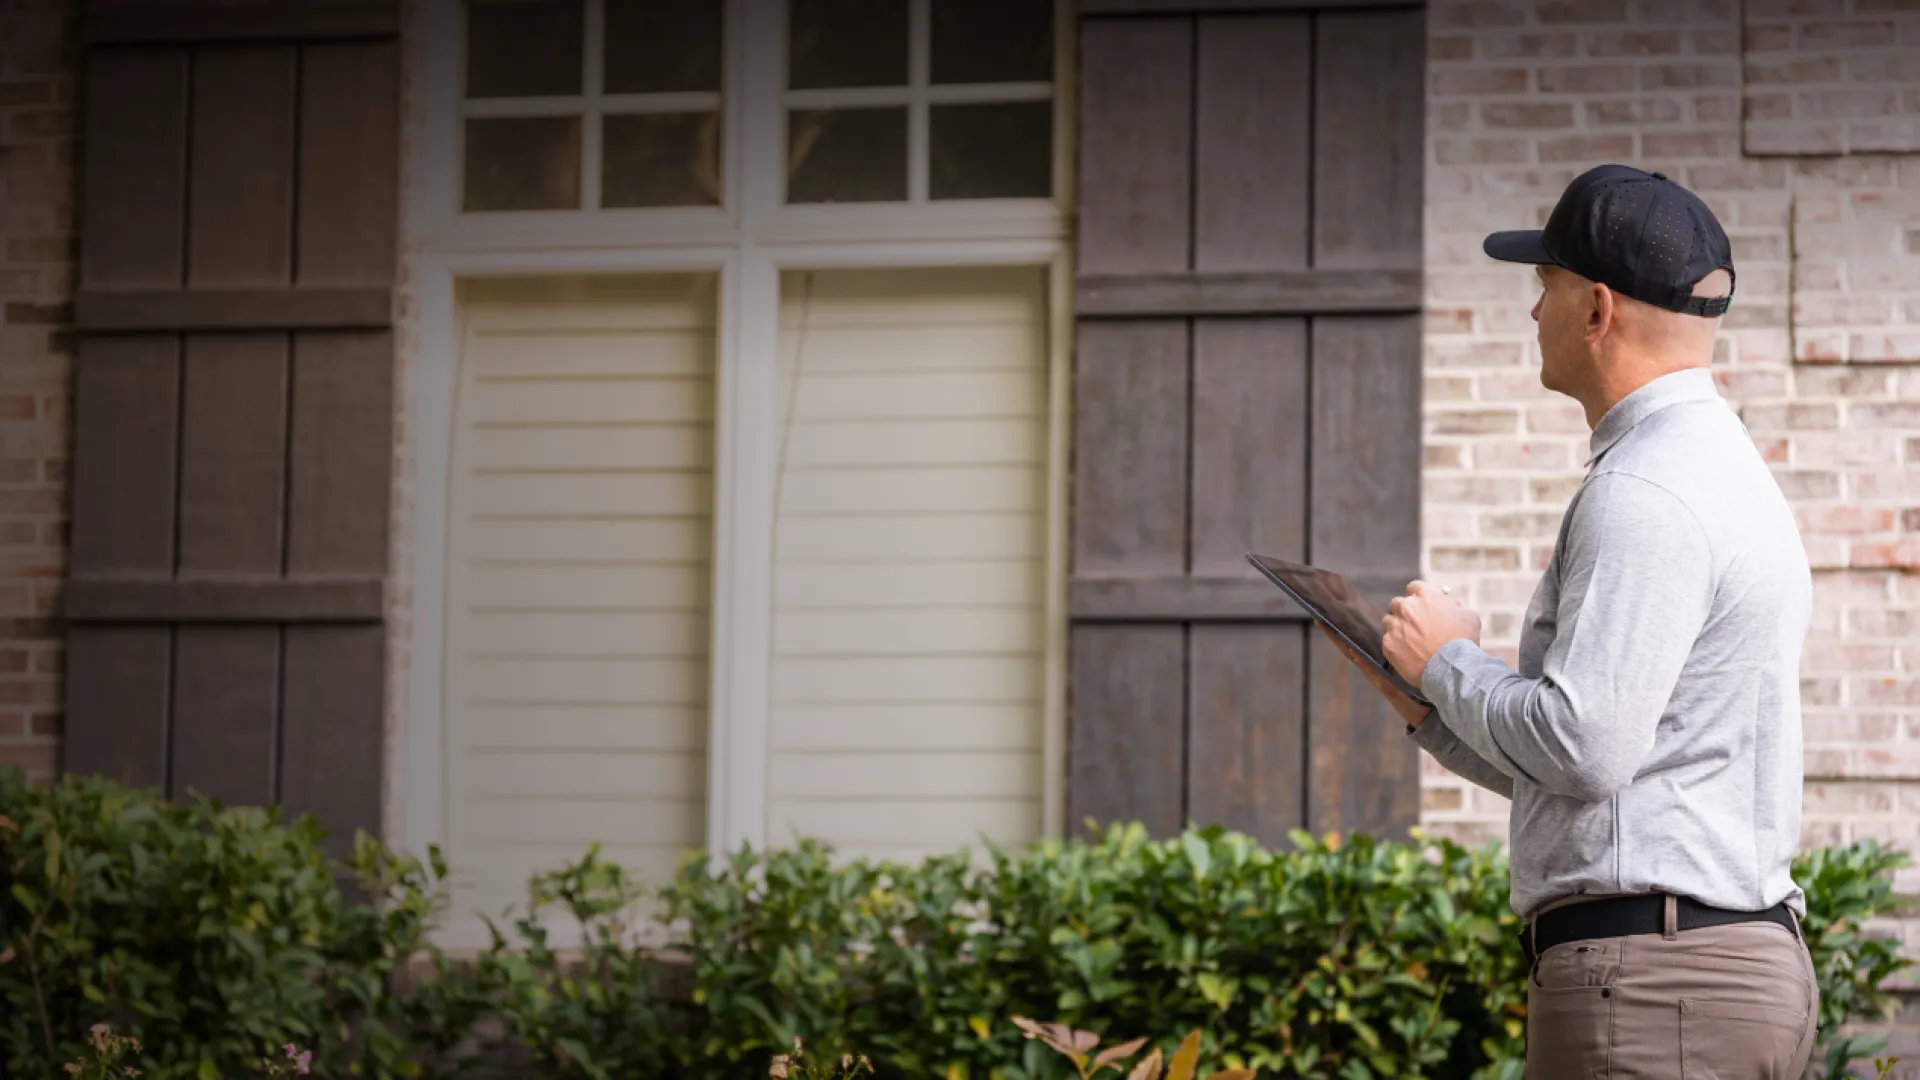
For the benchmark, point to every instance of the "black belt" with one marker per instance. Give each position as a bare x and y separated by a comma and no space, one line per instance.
1625,916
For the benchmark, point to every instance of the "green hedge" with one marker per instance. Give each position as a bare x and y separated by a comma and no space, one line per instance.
215,935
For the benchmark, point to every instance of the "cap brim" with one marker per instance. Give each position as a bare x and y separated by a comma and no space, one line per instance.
1520,246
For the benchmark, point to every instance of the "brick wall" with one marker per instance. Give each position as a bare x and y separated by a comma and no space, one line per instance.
38,54
1818,353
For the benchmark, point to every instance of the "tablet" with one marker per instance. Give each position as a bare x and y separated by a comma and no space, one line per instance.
1339,607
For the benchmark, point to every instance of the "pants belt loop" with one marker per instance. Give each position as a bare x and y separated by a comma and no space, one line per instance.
1671,928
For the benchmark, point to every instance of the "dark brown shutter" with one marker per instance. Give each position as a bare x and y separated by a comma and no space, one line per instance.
1247,378
234,402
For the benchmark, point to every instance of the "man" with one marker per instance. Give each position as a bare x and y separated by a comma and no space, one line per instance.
1650,740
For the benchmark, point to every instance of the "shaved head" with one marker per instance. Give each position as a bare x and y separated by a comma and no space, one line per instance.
1598,346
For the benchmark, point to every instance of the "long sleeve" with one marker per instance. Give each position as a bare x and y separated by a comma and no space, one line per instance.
1437,739
1636,584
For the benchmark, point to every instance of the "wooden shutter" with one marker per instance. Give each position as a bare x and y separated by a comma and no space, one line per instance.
234,402
1247,378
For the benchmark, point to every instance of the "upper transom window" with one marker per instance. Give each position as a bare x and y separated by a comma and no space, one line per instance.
614,104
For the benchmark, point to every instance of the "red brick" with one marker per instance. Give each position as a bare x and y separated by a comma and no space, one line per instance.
1482,151
1588,148
1886,482
1476,422
1808,417
1441,799
1634,112
1555,491
1632,43
1776,106
1592,79
1441,457
1831,34
1661,76
1520,525
1846,519
1716,110
1895,414
1449,82
1581,12
1910,519
1848,104
1751,382
1475,558
1557,419
1903,553
1528,46
1449,48
1526,455
1788,8
1526,115
1769,37
1476,490
1820,692
1689,144
1802,484
1479,13
1846,383
1721,42
1793,70
35,760
1883,622
1826,449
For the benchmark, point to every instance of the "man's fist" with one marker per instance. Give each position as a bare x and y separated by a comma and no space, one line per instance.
1419,623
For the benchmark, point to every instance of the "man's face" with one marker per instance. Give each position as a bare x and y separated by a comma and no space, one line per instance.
1561,314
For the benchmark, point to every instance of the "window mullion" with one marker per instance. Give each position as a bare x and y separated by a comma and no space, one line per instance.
920,49
593,75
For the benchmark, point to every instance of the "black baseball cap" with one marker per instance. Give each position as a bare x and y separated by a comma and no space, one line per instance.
1638,233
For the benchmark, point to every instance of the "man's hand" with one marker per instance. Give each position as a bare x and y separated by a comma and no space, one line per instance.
1410,710
1419,623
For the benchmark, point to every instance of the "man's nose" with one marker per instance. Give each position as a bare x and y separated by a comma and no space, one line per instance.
1536,309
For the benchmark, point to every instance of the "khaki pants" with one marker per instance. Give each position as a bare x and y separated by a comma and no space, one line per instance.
1732,1002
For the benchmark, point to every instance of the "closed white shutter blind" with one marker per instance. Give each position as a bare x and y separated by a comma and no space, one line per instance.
910,560
580,546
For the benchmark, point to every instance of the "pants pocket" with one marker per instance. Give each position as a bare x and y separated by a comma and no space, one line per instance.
1723,1040
1569,1032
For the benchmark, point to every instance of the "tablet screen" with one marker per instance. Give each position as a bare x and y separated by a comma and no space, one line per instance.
1336,603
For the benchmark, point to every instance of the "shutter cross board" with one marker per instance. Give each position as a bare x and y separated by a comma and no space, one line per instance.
234,397
1247,378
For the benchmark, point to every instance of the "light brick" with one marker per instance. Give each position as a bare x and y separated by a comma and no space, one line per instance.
1589,79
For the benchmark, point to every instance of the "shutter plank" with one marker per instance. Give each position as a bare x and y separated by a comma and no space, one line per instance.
125,423
1246,741
1370,100
1365,510
1365,516
1253,151
233,454
134,193
1365,771
349,163
117,703
1249,443
1129,728
241,199
331,763
226,703
342,453
1136,108
1130,430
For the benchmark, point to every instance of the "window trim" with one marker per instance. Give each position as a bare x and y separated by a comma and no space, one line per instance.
747,245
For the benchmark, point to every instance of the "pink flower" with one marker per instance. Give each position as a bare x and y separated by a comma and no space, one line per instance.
302,1059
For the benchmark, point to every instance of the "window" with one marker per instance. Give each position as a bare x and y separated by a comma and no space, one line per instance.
891,101
741,428
587,105
591,104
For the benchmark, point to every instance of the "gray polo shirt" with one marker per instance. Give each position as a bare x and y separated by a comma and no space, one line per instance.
1650,740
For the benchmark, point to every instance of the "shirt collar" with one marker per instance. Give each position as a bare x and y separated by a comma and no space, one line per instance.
1676,388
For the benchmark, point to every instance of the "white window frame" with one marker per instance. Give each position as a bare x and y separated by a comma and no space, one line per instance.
747,243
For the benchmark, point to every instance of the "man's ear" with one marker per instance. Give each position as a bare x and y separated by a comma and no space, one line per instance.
1600,311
